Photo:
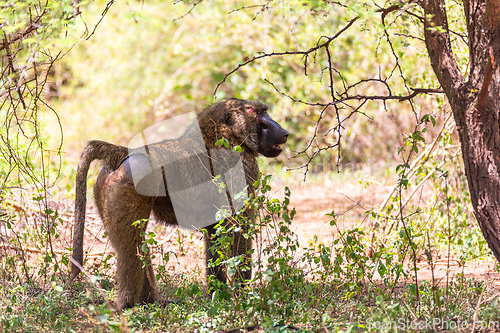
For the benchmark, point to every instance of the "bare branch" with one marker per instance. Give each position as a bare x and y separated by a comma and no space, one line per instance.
108,6
189,11
262,7
337,108
343,100
275,54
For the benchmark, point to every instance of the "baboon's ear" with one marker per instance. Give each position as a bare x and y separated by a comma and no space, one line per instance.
227,118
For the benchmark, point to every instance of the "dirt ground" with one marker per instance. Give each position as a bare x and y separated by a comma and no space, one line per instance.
350,199
312,201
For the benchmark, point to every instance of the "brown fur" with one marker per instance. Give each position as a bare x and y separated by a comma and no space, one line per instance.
241,122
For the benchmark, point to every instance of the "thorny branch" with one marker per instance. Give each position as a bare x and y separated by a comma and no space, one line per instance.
306,54
24,80
340,103
190,10
105,11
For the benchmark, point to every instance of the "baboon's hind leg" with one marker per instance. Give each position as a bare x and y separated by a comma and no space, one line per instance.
120,207
135,276
149,293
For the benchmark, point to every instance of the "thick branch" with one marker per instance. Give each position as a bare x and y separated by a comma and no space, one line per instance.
493,15
437,40
364,98
483,93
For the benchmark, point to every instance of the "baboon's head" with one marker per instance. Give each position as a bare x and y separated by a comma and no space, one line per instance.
247,124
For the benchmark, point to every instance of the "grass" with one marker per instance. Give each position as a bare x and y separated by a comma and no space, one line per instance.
340,309
362,280
374,265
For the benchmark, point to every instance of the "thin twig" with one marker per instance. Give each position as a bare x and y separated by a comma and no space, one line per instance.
108,6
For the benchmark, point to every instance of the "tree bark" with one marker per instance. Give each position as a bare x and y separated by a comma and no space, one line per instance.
475,101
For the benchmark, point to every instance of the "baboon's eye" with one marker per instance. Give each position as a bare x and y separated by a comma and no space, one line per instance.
249,109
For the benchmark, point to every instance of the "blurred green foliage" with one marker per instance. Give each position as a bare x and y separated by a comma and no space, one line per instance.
151,60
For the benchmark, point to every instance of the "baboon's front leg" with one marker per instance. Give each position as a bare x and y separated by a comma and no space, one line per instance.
241,246
211,257
135,276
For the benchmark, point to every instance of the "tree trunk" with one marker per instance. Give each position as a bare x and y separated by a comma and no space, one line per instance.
475,101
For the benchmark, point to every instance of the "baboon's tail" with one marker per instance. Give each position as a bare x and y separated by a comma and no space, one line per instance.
112,155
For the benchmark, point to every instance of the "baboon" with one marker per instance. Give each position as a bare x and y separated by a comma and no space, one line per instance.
121,202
